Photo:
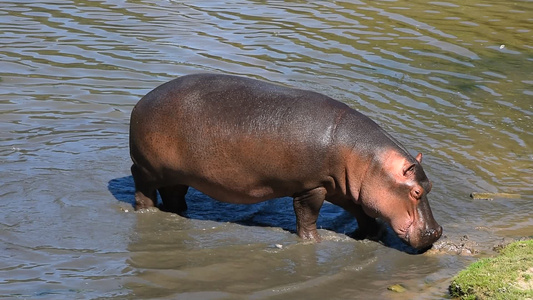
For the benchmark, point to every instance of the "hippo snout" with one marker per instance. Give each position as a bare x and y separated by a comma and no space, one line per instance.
429,237
424,238
432,235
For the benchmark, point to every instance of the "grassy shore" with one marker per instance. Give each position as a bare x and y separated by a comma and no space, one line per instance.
509,275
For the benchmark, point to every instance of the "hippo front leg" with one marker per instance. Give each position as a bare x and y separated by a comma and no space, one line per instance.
307,207
367,227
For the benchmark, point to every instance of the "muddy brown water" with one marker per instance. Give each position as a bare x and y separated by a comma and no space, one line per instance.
452,79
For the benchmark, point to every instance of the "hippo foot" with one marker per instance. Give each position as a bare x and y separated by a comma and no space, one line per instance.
179,210
309,235
374,231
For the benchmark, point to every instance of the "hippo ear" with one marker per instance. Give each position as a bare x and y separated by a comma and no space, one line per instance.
419,158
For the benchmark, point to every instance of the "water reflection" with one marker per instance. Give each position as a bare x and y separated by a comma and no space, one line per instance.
212,256
276,213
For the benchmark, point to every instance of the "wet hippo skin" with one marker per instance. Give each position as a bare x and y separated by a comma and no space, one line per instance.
241,140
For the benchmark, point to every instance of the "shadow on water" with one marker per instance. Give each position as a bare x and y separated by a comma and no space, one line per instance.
273,213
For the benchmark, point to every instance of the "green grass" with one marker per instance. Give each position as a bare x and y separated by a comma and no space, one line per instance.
506,276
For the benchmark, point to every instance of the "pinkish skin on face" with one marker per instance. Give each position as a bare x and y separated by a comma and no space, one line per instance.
396,196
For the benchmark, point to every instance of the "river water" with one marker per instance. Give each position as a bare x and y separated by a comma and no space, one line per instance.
451,79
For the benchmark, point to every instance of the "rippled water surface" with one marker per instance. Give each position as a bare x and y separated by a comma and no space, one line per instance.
451,79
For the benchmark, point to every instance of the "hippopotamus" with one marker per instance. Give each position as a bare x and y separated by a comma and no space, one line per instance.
241,140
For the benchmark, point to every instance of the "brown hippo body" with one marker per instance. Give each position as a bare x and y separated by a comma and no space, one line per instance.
245,141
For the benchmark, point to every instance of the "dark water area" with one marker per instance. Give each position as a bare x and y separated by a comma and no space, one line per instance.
451,79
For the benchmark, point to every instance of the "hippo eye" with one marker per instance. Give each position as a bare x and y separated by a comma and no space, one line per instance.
409,170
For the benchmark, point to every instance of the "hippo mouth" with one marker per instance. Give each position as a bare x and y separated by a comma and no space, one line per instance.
404,232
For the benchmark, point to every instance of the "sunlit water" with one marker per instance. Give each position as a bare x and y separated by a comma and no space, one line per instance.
450,79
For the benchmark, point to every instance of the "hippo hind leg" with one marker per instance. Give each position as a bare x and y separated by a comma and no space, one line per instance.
173,198
145,193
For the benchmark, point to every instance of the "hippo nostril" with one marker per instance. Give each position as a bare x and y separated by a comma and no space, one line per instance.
433,233
438,232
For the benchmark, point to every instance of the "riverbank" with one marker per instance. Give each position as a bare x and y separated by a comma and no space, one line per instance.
509,275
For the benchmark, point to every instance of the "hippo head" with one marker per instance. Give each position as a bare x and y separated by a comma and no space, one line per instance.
395,189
